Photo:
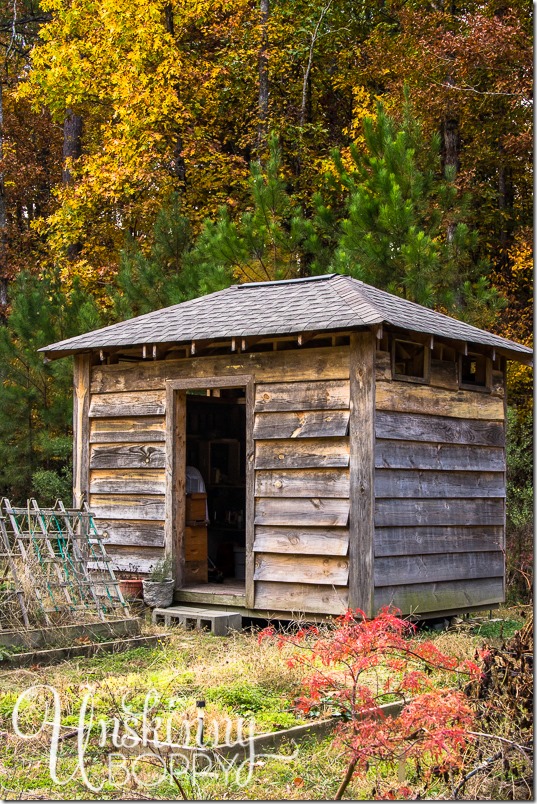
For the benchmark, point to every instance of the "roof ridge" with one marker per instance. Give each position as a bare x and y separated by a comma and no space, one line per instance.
351,283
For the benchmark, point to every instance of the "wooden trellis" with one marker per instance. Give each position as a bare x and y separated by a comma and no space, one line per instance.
45,559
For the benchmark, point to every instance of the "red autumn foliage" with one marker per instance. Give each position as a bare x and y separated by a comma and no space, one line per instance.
354,666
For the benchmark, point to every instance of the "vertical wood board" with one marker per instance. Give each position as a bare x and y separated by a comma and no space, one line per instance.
81,399
362,462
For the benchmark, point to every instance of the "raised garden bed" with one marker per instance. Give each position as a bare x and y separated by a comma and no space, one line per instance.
88,649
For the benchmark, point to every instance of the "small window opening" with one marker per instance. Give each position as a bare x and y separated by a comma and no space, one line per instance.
474,370
409,360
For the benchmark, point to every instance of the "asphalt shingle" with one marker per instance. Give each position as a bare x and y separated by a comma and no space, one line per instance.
318,304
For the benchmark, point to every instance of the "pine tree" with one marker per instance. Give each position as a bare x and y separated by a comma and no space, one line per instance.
271,240
169,273
36,397
404,227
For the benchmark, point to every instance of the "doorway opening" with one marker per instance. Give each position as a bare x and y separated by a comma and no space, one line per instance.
215,541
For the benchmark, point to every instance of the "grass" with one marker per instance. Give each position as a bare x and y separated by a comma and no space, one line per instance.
238,679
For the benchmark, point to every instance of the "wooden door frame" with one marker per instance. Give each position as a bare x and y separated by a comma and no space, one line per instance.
174,523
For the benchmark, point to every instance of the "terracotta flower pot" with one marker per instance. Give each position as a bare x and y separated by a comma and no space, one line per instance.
132,588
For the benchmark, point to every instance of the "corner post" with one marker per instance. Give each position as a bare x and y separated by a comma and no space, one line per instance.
81,403
362,455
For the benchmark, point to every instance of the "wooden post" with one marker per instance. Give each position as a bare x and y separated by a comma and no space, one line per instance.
81,399
362,441
174,524
249,513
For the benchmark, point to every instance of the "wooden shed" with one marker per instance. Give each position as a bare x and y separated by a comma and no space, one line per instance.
352,446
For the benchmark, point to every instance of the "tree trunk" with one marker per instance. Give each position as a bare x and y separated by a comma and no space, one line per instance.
505,204
72,150
72,144
178,166
263,67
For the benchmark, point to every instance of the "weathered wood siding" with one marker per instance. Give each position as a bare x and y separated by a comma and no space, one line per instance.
301,488
299,416
127,481
439,492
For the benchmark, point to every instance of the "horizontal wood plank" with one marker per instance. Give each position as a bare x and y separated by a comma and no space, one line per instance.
438,429
127,481
428,483
309,424
302,483
302,454
131,560
139,403
135,506
300,598
145,429
392,454
298,396
391,513
131,534
301,541
316,511
441,596
397,570
404,397
286,366
127,456
422,540
301,569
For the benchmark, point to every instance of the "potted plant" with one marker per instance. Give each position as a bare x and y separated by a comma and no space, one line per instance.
159,586
130,583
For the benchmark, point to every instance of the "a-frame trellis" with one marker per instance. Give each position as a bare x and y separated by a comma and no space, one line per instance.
45,559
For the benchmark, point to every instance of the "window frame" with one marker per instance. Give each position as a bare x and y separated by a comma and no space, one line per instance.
482,389
426,379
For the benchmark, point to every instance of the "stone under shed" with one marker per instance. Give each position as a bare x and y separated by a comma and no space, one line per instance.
351,446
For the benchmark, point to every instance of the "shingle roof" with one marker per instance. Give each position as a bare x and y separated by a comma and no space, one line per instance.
323,303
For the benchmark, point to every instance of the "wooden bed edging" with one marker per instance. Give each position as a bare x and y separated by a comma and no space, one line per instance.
64,634
57,655
259,744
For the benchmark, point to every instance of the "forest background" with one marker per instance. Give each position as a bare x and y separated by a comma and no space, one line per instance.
155,150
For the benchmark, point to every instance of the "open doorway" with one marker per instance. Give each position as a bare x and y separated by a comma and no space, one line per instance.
214,542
